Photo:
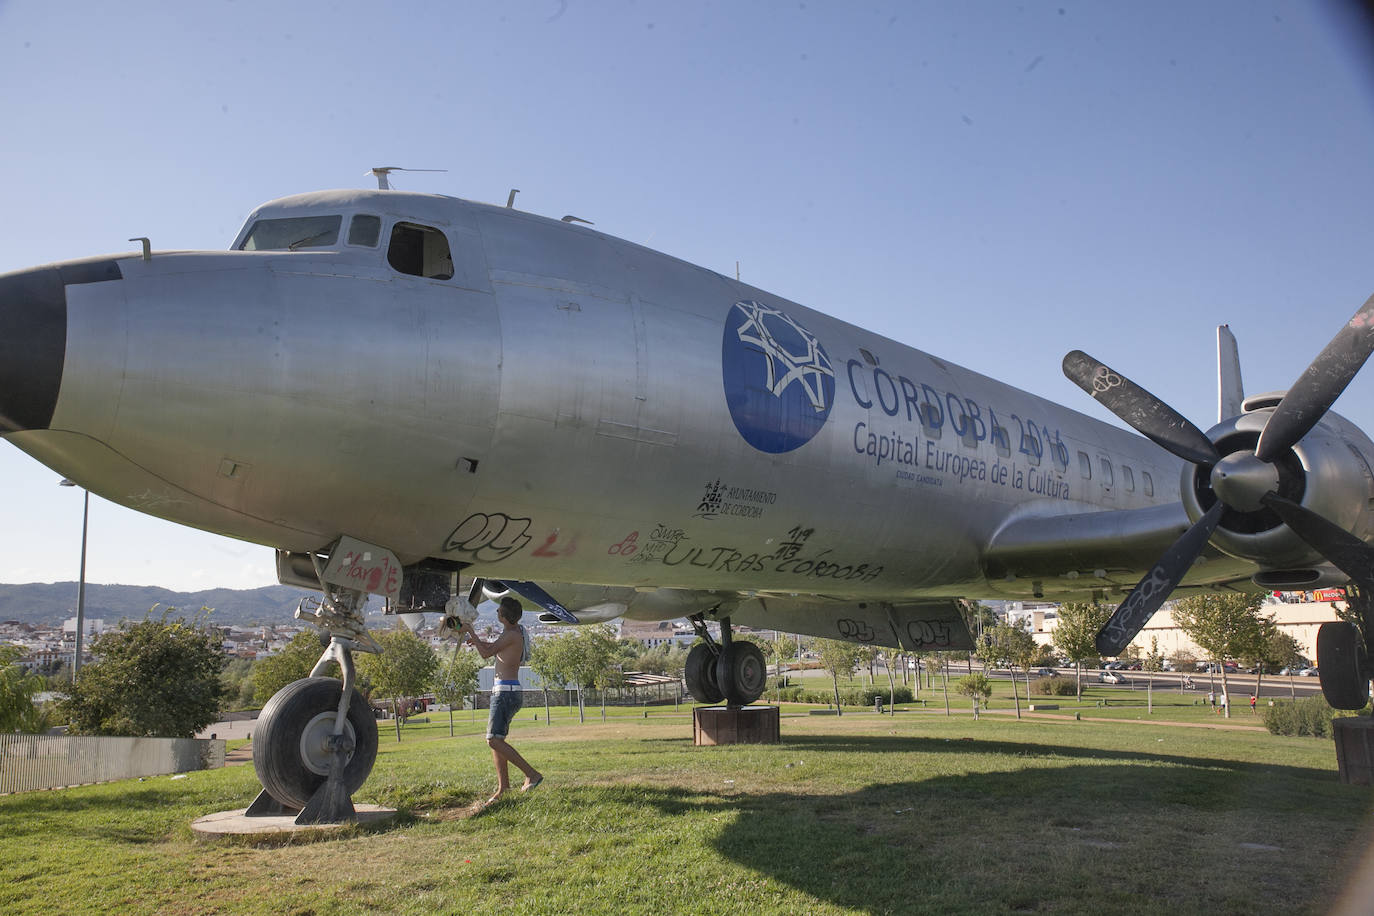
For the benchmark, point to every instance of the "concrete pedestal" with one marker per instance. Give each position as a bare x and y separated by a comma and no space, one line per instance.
237,823
734,725
1355,749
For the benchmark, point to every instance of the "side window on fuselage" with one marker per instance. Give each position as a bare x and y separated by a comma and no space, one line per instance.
365,230
420,251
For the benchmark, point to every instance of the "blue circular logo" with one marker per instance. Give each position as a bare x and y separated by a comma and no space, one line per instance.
779,383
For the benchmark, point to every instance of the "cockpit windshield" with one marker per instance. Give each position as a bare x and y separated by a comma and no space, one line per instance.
291,233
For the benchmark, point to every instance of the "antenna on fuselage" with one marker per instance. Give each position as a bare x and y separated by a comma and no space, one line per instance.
381,173
510,198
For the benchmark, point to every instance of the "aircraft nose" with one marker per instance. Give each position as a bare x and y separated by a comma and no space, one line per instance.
33,341
33,337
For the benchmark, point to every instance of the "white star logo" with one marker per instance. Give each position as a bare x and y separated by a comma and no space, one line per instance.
785,367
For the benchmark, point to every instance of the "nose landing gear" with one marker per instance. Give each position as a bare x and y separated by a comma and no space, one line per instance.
316,739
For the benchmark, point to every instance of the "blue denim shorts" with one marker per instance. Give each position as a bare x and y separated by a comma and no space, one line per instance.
504,705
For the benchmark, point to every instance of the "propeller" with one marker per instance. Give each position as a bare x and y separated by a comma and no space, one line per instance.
1243,481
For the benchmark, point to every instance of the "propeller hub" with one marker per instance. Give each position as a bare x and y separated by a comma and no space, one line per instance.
1241,481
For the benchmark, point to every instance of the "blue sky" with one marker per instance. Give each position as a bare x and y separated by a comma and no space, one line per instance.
992,183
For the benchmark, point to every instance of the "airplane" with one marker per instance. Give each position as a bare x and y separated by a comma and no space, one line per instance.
401,391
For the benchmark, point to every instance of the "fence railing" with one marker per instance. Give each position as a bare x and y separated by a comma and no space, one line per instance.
32,762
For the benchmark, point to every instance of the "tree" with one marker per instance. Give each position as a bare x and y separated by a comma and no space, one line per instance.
456,680
1258,651
404,668
1076,633
1285,652
597,661
1044,656
666,658
154,678
1224,626
781,648
18,712
1006,645
1152,663
1184,662
1154,659
293,662
238,682
976,687
839,658
552,661
587,656
978,617
935,661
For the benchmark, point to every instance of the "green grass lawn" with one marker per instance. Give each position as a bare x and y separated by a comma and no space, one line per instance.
912,813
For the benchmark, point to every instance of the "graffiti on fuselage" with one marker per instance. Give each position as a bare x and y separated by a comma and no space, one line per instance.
791,557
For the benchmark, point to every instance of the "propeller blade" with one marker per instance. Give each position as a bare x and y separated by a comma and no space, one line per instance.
1143,411
1342,549
1319,385
1151,591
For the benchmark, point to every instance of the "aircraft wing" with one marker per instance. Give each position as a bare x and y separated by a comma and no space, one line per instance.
1068,557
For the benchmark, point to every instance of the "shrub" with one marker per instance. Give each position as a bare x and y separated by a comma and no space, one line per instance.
1309,717
1055,686
786,694
900,695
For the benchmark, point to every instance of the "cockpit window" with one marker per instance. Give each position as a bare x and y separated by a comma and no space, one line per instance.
292,233
420,251
365,230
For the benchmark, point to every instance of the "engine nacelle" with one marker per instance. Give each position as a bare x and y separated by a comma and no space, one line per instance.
1328,472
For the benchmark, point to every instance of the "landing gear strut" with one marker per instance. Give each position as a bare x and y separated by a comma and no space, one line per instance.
1343,657
727,670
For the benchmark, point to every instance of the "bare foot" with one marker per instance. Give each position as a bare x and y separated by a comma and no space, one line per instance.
533,782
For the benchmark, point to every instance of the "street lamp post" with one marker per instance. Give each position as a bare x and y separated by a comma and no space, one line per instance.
81,583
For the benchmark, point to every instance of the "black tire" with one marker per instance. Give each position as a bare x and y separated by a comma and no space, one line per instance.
700,672
741,673
1340,665
289,752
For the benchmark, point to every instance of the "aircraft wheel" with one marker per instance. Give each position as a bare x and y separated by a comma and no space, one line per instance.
1341,665
741,673
290,740
701,676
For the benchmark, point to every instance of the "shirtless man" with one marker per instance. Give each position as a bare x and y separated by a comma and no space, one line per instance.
510,649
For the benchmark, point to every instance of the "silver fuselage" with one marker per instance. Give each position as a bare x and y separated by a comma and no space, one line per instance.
556,411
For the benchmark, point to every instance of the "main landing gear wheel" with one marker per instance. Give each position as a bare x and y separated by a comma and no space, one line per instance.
1341,665
291,739
701,675
741,673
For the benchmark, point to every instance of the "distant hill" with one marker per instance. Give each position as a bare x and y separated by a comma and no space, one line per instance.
52,603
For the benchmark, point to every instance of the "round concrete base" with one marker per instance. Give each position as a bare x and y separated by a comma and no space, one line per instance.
236,823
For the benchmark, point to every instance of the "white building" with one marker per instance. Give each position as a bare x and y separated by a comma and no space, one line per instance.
1298,618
